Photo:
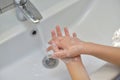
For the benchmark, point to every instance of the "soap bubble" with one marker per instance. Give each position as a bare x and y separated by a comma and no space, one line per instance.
116,38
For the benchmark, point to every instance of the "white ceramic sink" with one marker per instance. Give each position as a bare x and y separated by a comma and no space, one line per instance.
21,53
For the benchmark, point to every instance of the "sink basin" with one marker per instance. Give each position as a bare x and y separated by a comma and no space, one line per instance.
22,47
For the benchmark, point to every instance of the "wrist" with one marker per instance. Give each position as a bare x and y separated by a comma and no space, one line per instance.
70,60
72,63
86,47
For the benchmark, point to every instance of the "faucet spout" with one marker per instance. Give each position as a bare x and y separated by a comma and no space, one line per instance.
23,2
28,10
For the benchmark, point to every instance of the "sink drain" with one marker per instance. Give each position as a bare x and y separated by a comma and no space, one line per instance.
50,62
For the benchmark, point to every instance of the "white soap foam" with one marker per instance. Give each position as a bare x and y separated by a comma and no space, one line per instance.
116,38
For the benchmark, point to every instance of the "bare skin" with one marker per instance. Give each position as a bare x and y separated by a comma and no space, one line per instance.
73,64
77,71
75,47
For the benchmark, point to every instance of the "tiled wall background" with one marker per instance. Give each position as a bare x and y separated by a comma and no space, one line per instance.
5,5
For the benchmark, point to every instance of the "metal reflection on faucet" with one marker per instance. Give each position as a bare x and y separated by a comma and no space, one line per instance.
28,11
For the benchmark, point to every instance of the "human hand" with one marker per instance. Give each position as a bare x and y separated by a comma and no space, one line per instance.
64,46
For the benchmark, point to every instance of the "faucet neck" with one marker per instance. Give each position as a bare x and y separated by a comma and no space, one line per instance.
23,2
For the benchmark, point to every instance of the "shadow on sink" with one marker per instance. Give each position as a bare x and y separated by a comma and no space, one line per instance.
117,77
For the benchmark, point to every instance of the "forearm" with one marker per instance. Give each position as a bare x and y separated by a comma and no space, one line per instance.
107,53
77,71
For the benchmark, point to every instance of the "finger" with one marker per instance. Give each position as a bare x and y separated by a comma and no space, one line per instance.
74,34
53,34
49,48
66,32
60,54
50,42
57,55
58,31
58,44
55,47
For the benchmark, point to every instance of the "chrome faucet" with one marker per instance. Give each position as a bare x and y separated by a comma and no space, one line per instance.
23,2
27,11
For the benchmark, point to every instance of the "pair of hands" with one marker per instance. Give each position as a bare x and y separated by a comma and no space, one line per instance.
65,47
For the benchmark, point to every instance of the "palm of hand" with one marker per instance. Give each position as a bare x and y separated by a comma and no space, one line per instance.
64,46
68,46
